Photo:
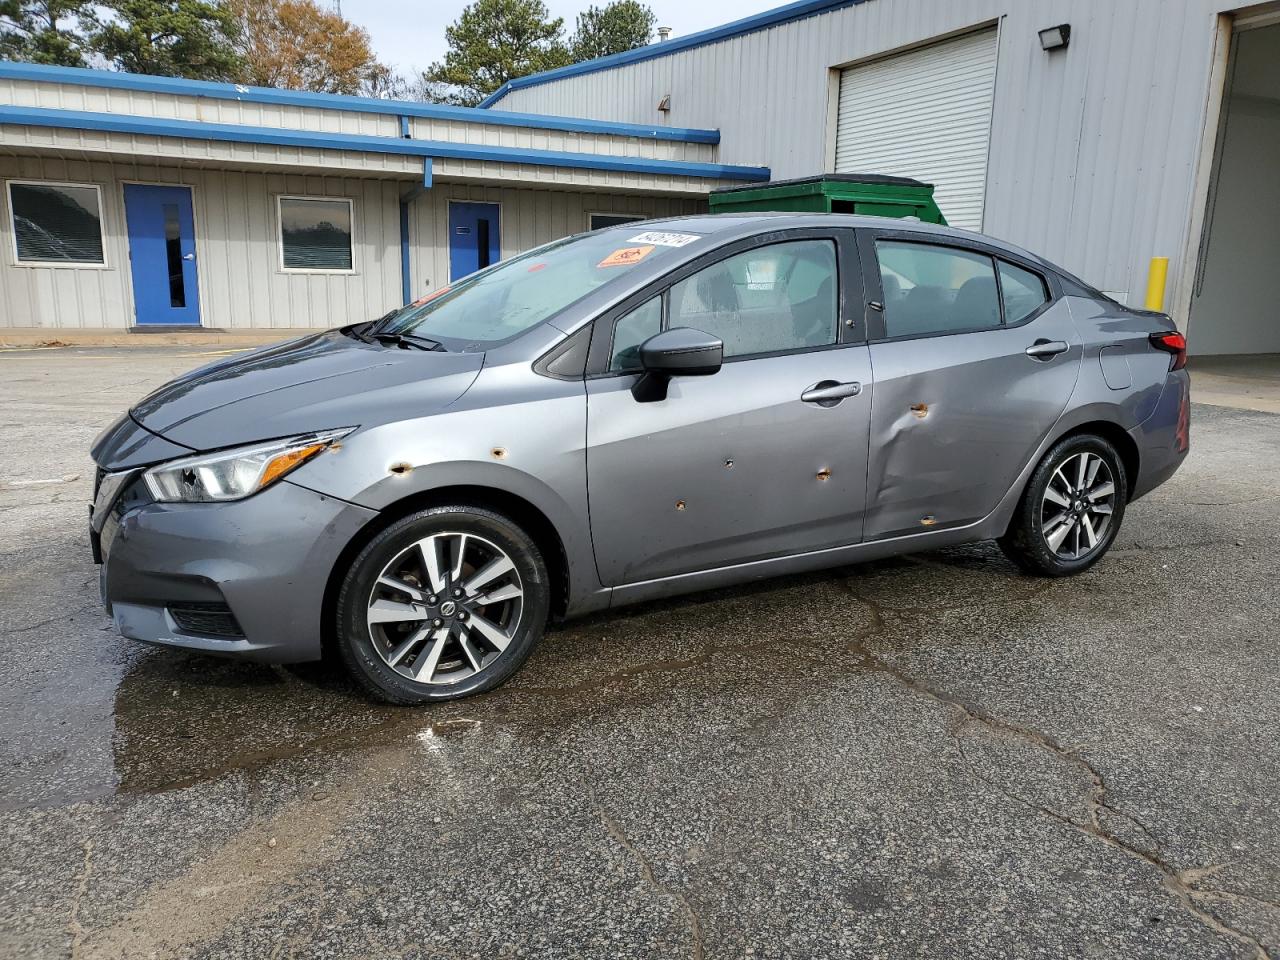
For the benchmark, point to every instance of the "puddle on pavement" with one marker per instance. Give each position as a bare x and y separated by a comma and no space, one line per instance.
178,719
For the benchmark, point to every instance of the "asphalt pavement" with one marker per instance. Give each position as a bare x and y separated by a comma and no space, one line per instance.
931,756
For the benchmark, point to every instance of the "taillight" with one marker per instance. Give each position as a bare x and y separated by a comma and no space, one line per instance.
1172,342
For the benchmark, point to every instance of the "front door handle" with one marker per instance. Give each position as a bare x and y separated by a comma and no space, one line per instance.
827,393
1046,349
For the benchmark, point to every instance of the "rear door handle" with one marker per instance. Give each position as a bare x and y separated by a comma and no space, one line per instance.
827,393
1046,349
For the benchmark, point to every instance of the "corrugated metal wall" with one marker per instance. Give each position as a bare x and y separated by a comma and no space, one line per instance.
21,139
237,243
527,218
66,96
1093,149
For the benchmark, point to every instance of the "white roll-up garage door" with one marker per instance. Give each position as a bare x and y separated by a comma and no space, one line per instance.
924,114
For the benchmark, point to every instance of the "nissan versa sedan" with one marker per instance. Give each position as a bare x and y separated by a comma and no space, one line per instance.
629,414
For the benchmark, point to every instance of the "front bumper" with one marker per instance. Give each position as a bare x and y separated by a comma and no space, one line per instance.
266,560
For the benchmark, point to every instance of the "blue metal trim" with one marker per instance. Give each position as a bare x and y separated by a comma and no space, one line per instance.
426,173
235,133
405,132
406,287
760,21
327,101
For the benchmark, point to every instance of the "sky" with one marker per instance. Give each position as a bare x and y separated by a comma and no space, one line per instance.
409,34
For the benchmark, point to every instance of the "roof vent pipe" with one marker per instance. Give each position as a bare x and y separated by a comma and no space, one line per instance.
664,33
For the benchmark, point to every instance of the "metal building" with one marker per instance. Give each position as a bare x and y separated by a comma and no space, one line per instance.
1099,133
147,201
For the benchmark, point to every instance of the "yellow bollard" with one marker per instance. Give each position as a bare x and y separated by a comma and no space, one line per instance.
1155,282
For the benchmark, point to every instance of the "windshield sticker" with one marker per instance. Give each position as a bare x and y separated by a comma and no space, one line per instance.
625,256
666,239
762,274
536,267
429,297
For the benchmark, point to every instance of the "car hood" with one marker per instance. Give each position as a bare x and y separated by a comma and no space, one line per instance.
319,382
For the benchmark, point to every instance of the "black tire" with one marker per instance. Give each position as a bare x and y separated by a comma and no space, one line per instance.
1026,542
355,634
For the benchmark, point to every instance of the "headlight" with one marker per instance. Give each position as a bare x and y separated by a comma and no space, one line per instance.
235,474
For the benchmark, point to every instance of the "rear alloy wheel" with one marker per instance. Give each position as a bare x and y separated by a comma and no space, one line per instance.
442,604
1071,510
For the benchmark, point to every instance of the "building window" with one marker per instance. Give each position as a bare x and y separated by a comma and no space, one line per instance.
315,234
56,223
599,221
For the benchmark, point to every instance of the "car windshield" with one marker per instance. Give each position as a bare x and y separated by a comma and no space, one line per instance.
518,294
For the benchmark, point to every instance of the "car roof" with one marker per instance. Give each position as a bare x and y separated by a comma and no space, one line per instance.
726,226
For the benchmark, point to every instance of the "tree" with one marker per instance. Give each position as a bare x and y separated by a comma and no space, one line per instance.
43,31
297,45
614,28
169,38
494,41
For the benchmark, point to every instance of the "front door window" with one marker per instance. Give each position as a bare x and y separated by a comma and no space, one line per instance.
767,300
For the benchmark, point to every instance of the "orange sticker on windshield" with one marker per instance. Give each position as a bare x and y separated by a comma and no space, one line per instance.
429,297
625,256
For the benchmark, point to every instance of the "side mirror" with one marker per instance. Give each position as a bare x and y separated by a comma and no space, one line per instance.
680,352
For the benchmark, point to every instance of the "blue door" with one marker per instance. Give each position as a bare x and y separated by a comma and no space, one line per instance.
162,254
473,238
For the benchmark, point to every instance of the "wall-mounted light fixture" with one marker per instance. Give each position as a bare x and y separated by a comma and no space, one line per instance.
1055,38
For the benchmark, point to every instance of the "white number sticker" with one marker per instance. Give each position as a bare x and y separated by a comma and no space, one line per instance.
666,239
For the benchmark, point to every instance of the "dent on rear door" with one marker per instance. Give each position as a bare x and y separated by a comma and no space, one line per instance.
956,418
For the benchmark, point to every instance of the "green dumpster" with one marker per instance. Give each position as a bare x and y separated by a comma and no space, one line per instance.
872,194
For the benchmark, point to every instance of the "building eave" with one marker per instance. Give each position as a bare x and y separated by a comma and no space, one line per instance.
175,86
236,133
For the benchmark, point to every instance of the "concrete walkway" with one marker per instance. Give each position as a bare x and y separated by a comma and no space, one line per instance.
23,337
1247,382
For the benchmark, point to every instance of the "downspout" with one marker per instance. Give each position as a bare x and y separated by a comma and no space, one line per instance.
406,285
406,277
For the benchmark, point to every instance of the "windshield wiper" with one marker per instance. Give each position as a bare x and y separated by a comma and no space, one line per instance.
360,331
407,340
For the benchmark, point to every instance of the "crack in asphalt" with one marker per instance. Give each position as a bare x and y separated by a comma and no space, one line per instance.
1179,882
60,618
646,871
665,665
1248,501
74,926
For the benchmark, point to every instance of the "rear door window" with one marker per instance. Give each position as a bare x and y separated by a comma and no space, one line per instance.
930,289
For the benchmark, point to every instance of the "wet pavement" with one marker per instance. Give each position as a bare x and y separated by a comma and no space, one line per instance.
931,756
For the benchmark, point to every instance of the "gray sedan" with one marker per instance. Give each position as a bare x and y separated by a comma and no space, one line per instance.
628,414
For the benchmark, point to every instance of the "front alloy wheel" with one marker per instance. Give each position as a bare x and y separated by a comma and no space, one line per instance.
446,608
442,604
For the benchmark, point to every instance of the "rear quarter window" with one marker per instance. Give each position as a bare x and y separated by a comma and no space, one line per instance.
1023,291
